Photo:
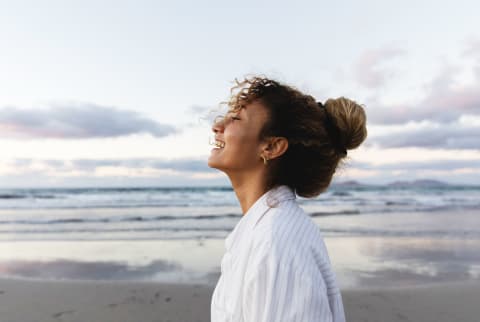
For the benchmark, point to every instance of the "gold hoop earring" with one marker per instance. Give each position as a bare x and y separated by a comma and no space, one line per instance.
265,159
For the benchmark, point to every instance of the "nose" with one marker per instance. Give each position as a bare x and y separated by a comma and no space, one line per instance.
218,124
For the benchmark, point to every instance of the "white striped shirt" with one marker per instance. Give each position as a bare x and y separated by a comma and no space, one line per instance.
276,267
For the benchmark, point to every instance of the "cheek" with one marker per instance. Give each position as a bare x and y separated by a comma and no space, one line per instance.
243,147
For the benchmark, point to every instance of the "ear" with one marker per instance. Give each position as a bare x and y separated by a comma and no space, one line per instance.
276,147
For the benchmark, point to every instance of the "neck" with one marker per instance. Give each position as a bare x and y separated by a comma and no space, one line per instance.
248,187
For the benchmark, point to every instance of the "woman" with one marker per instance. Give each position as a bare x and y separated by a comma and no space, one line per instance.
275,143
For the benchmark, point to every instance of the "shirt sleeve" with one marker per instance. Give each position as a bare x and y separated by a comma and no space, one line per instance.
282,290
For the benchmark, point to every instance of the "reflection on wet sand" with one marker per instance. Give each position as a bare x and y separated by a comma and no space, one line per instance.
175,261
76,270
393,261
358,261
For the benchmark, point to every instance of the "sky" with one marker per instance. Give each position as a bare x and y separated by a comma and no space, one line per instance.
120,93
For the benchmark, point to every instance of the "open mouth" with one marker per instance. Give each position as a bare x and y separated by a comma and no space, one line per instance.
219,144
216,142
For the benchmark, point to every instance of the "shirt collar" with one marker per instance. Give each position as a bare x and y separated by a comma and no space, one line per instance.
249,220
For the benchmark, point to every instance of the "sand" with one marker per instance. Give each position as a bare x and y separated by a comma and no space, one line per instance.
38,301
439,303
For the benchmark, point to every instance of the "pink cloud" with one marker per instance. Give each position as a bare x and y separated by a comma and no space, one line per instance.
443,102
368,69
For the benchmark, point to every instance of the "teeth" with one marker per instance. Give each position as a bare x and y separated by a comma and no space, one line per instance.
216,143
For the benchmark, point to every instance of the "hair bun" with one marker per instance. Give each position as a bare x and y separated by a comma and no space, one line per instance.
350,119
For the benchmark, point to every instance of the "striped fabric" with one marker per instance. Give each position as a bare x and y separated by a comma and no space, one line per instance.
276,267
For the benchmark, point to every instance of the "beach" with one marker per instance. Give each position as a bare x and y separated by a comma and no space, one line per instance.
42,301
153,254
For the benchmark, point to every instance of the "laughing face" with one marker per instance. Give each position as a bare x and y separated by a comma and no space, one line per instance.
238,146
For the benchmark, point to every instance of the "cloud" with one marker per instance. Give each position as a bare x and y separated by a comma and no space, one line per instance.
369,70
473,51
149,172
460,134
77,121
420,165
89,166
445,99
198,110
183,165
447,117
188,165
108,172
443,103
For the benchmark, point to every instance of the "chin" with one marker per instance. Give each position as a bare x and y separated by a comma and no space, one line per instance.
216,165
212,164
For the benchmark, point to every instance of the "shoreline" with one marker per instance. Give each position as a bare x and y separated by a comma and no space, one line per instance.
38,300
357,261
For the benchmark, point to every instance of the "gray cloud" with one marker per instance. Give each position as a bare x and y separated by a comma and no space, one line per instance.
77,121
369,70
183,165
89,165
445,100
440,119
200,166
443,103
83,173
441,165
452,135
58,172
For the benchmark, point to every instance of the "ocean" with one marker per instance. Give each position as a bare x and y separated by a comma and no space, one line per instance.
396,234
212,212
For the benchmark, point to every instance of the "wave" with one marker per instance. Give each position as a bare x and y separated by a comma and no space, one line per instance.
165,204
205,232
399,203
115,219
112,230
25,196
398,233
75,191
340,193
332,213
215,217
366,199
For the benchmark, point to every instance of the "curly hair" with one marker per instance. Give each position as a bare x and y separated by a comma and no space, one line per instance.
318,135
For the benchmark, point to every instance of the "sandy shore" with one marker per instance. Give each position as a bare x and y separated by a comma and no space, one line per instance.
38,301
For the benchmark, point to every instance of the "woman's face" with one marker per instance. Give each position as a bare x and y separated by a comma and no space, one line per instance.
238,136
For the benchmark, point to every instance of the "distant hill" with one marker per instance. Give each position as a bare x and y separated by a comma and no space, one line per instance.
349,183
425,183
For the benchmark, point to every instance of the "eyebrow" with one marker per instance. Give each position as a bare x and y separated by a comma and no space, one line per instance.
243,114
237,112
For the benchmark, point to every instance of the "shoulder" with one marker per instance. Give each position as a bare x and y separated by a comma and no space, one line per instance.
287,243
287,233
287,224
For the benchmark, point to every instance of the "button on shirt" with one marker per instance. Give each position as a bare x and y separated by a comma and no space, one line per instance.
276,267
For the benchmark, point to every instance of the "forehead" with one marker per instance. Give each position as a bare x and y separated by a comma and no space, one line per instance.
254,110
